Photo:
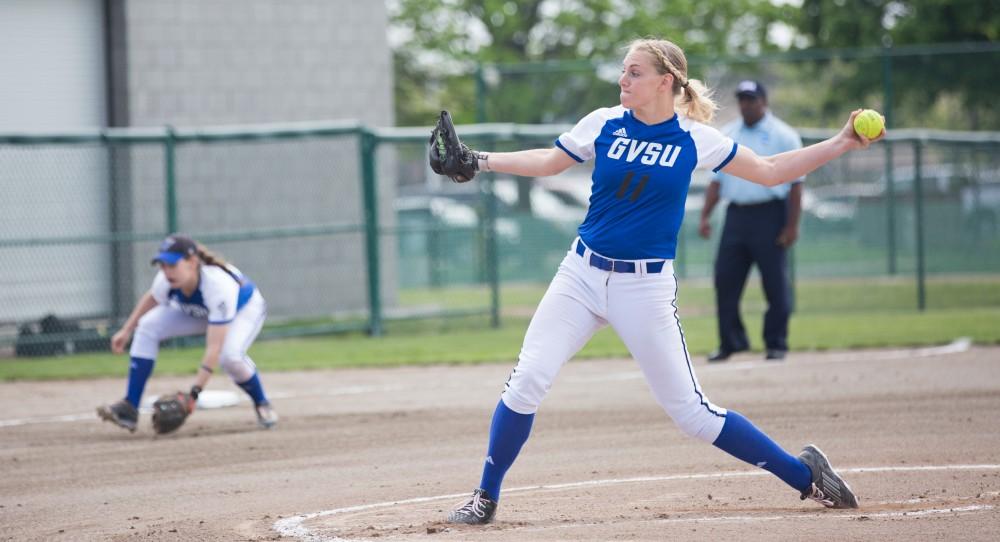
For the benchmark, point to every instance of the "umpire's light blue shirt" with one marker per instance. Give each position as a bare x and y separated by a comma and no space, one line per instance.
769,136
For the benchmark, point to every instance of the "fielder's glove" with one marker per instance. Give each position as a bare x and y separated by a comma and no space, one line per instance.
171,410
449,156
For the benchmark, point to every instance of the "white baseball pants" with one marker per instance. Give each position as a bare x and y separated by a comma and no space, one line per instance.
164,322
641,308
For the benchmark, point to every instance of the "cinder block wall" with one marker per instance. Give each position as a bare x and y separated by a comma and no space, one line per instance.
195,63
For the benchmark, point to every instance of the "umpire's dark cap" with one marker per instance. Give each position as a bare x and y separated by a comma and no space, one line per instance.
751,88
174,248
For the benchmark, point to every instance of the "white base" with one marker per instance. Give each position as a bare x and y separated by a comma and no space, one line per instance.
217,399
207,399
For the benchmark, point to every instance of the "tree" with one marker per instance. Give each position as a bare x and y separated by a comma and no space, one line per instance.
438,43
929,88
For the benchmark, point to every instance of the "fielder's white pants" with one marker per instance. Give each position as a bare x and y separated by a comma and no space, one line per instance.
164,322
641,308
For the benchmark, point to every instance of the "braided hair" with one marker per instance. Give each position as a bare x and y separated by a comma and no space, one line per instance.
696,98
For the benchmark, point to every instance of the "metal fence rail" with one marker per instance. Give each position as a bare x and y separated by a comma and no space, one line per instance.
344,227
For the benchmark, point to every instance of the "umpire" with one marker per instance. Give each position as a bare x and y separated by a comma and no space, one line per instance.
761,225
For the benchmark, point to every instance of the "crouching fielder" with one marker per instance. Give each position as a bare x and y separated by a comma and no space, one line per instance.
194,292
619,270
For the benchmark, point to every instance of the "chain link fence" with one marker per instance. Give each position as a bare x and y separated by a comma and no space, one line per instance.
344,228
919,203
86,211
940,85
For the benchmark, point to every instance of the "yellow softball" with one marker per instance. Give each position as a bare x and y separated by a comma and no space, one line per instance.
869,123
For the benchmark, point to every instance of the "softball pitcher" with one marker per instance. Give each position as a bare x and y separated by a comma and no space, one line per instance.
194,292
619,271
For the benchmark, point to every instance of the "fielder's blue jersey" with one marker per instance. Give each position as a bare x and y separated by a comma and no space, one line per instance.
641,177
218,297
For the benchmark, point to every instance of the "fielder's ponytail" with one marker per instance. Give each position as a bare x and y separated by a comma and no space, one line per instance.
695,97
208,257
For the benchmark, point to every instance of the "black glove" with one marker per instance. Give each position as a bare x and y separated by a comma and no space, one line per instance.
450,157
170,411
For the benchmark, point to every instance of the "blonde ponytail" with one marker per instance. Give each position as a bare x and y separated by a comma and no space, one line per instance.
695,97
697,101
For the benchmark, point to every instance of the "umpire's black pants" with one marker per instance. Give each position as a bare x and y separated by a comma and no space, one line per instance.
750,235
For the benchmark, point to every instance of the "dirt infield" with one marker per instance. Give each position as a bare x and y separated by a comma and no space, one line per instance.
383,454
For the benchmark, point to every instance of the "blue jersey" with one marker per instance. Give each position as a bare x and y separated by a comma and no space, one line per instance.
641,177
218,297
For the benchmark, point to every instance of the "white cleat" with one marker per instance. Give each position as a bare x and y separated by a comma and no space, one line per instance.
266,416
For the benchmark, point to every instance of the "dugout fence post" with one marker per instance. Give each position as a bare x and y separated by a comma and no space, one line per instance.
368,144
890,211
170,178
918,210
492,246
890,208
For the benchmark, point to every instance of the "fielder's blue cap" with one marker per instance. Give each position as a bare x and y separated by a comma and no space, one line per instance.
174,248
751,88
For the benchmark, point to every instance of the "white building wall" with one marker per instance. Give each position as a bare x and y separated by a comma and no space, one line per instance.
53,78
188,63
197,63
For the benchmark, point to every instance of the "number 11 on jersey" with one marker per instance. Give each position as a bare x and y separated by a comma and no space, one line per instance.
628,181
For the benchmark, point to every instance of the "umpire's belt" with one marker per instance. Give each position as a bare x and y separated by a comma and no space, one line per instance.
618,266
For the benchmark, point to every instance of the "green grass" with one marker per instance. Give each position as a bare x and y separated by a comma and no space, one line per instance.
837,314
697,296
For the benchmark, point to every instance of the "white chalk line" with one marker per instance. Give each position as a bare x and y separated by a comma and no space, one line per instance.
962,510
955,347
90,416
293,526
48,419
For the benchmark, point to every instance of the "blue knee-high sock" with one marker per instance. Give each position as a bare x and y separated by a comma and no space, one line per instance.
139,370
508,433
254,390
743,440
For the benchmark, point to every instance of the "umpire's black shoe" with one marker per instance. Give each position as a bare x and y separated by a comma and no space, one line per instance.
122,414
775,354
827,487
478,511
719,355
